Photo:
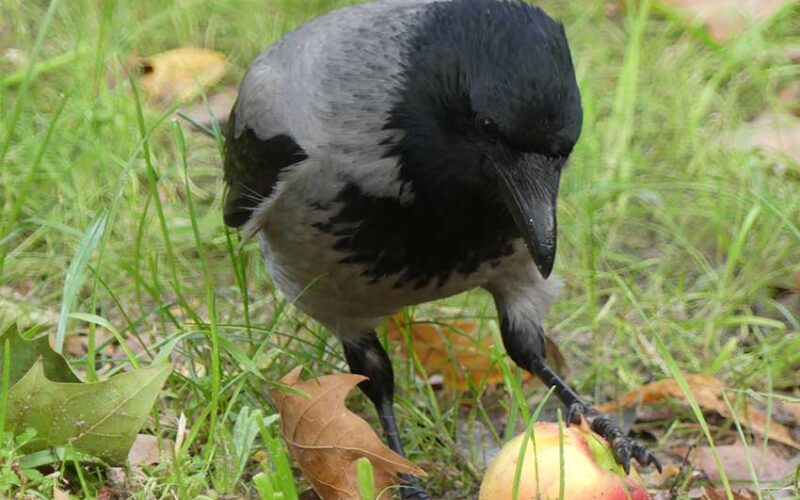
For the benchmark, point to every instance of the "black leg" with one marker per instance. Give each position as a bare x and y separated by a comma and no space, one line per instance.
527,350
366,356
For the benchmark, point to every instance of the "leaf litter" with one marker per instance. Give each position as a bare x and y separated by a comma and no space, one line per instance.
708,391
457,353
326,439
723,19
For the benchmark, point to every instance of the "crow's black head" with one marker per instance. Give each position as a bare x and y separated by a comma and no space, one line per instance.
490,103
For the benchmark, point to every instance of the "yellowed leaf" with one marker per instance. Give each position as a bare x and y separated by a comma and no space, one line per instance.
326,439
181,74
708,393
455,350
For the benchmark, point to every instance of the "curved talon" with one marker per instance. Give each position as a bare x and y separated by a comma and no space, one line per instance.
622,452
624,447
645,457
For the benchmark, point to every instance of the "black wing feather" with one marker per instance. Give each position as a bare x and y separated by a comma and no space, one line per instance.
252,166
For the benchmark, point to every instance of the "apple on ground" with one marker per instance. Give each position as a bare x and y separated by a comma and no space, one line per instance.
590,472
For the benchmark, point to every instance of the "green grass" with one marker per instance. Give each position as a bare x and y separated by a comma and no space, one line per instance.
672,243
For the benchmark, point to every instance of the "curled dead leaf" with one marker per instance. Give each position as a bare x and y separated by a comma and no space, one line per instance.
180,74
326,439
708,393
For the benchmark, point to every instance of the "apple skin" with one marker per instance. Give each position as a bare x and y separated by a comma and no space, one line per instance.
590,472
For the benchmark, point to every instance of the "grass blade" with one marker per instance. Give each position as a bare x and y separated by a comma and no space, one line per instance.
76,274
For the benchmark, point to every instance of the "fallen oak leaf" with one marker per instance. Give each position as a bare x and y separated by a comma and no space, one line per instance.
708,391
326,439
180,74
451,350
456,351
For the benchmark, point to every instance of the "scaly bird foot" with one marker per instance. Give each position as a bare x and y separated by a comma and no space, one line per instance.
623,446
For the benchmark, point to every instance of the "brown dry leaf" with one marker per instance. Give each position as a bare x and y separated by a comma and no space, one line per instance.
708,393
145,450
218,108
789,93
458,353
452,350
789,96
326,439
181,74
59,494
770,465
668,473
778,134
725,18
78,344
711,493
107,493
793,409
797,281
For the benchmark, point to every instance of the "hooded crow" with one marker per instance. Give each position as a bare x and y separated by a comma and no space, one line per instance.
402,151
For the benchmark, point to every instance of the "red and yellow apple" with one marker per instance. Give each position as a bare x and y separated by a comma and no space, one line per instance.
590,471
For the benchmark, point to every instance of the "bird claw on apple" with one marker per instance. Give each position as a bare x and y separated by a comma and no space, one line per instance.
624,447
560,462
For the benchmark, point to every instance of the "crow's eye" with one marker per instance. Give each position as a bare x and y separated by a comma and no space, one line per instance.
489,128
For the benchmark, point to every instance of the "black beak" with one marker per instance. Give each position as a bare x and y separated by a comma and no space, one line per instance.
529,186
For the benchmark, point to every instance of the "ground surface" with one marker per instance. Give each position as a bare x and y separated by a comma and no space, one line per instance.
677,247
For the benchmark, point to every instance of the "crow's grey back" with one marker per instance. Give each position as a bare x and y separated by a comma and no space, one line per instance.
328,82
